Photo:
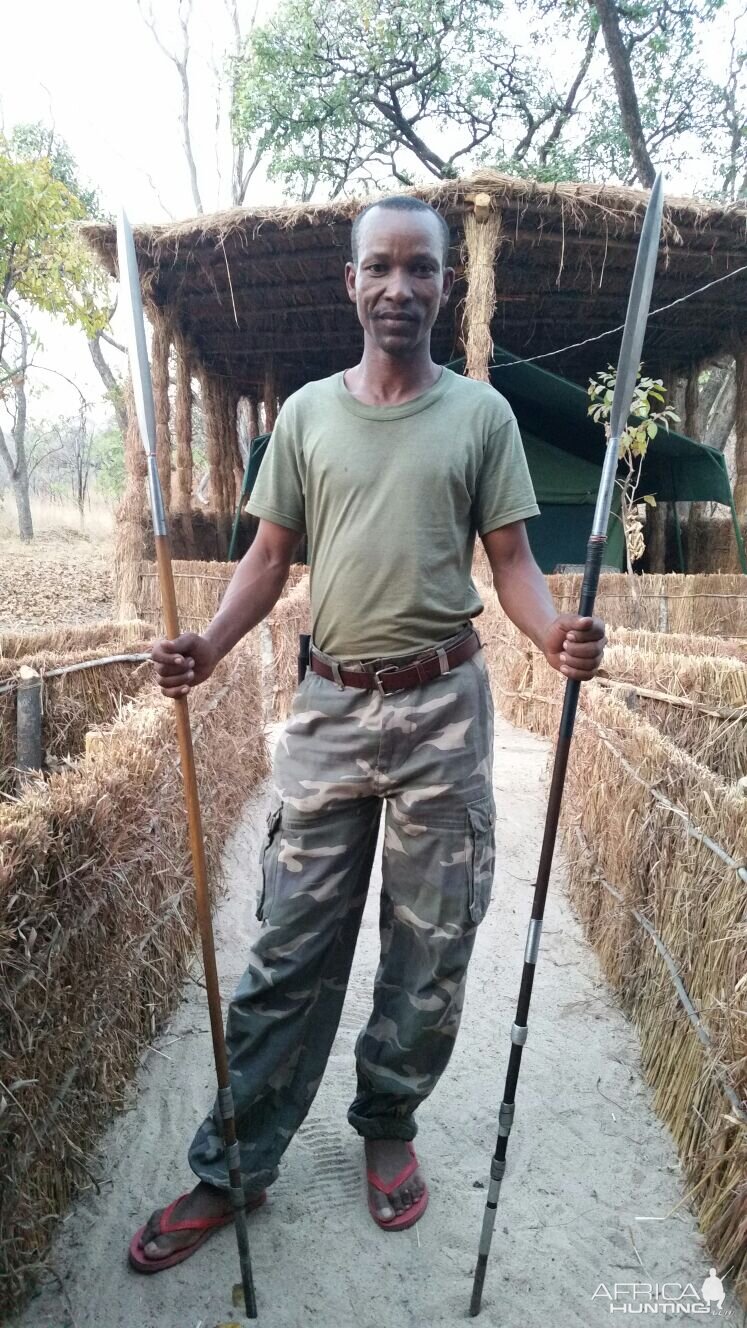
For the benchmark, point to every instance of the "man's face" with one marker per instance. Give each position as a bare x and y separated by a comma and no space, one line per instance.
399,283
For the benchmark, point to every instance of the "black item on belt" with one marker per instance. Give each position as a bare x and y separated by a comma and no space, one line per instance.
304,648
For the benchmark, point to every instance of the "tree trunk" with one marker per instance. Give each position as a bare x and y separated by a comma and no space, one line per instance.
722,414
17,467
114,389
625,87
20,486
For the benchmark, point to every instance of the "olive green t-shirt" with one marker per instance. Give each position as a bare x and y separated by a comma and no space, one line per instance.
391,498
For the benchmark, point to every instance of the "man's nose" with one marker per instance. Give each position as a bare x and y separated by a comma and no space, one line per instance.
399,286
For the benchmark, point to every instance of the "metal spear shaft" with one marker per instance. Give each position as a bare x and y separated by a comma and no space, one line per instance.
627,369
131,302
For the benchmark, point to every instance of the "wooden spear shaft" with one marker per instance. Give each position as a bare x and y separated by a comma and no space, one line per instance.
143,391
205,924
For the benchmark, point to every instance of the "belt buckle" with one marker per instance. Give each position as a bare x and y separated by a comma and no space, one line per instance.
389,668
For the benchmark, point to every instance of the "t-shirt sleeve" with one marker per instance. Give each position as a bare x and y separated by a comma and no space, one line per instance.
278,493
504,490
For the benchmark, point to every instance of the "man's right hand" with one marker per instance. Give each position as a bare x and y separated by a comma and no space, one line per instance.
183,663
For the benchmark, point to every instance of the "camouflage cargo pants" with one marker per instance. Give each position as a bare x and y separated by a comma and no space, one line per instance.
425,753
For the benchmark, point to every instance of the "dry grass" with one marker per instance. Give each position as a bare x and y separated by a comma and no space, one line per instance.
59,577
699,699
644,824
200,587
707,605
656,833
58,520
97,927
290,616
74,701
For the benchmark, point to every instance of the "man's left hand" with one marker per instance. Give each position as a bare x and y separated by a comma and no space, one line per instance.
574,646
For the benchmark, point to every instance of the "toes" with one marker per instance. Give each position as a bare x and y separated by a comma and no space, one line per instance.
382,1205
151,1226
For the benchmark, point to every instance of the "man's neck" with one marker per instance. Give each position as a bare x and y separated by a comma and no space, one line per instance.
384,380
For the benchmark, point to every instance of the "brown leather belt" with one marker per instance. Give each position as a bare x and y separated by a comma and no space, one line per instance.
397,678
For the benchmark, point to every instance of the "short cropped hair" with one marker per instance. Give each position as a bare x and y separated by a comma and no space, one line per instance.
401,203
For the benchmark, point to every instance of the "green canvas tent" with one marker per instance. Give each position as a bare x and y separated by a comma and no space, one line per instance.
565,449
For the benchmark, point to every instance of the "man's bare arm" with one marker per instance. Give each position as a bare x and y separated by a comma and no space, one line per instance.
254,589
570,644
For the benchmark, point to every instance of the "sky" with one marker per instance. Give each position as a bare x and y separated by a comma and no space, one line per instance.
92,69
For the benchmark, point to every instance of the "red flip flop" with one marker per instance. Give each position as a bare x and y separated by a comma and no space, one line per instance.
143,1263
412,1214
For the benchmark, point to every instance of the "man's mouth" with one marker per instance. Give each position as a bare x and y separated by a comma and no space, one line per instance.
396,318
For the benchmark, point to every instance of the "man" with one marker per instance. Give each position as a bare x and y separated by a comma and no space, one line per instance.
390,468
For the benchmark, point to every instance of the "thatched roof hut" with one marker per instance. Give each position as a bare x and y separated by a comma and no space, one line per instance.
253,303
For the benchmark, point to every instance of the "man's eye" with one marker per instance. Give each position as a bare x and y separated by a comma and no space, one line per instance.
425,270
376,268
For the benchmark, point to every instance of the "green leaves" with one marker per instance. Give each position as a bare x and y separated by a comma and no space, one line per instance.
42,257
644,422
353,88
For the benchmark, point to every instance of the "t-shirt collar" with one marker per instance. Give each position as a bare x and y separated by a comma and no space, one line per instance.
400,412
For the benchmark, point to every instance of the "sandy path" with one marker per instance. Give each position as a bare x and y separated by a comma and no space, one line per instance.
587,1158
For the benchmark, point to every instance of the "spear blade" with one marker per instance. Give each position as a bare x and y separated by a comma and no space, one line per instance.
639,302
142,384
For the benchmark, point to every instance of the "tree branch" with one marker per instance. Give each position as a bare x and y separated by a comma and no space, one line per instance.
566,110
180,63
113,388
625,87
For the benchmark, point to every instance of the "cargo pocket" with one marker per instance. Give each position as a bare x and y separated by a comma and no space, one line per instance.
480,857
268,861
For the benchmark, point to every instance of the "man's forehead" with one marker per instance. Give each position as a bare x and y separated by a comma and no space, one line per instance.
384,228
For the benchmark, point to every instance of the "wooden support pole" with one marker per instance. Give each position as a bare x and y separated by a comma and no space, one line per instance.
740,423
160,358
183,430
29,720
129,544
269,399
482,228
182,503
253,421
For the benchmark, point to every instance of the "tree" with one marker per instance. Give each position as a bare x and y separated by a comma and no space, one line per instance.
39,142
177,49
622,73
43,265
356,92
729,114
77,446
647,415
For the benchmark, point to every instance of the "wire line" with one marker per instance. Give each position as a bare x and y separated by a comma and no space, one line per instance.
547,354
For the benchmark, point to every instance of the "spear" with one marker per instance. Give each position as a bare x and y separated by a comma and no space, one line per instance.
627,369
131,303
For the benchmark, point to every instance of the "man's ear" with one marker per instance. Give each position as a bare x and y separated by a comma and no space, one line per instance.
350,281
449,275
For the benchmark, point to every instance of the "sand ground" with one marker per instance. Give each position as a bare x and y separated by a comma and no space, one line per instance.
592,1188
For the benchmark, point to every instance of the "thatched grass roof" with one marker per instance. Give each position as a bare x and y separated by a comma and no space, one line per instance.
261,288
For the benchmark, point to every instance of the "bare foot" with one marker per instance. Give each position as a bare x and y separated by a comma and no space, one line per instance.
203,1201
386,1158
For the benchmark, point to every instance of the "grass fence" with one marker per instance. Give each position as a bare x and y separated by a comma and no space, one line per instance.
97,928
655,833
